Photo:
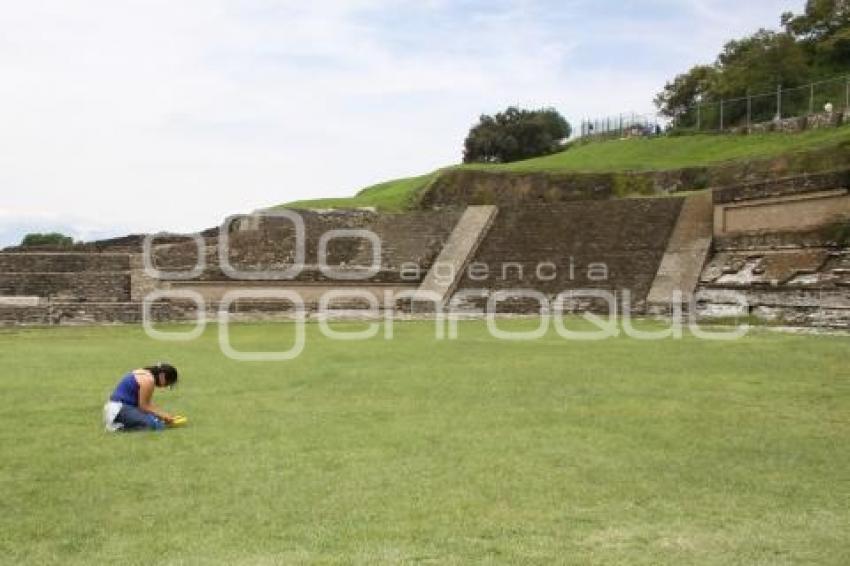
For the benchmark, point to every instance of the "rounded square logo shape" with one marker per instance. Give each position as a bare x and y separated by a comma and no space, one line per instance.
564,304
152,271
735,298
242,356
499,296
325,306
147,318
269,274
353,274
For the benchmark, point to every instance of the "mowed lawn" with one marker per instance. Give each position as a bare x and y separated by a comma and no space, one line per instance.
423,451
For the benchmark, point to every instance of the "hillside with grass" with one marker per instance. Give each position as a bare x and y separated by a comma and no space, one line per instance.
636,154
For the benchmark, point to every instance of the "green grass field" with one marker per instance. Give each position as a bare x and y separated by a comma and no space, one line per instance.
422,451
616,155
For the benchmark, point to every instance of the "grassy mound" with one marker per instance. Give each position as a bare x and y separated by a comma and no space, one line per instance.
654,154
392,195
659,154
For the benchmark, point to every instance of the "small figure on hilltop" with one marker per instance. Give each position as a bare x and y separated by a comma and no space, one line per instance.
130,408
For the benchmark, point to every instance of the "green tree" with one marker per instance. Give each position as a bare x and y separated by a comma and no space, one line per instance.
47,239
686,90
813,45
760,62
820,20
515,134
824,29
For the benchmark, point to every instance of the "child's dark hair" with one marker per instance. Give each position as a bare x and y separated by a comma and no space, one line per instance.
169,373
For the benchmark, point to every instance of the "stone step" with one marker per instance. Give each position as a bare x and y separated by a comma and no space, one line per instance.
686,252
448,269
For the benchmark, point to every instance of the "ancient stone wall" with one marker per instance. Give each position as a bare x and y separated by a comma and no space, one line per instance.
72,312
269,244
795,124
69,276
504,189
792,263
410,238
62,262
71,286
778,255
809,286
612,245
801,212
783,186
822,237
60,312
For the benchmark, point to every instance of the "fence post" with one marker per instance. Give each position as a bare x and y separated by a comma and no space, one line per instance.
699,117
749,112
721,115
812,98
779,102
847,93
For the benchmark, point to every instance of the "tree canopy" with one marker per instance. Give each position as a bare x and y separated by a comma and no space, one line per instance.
515,134
811,46
47,239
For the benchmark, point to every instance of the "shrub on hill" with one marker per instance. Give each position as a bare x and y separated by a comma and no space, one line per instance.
515,134
47,239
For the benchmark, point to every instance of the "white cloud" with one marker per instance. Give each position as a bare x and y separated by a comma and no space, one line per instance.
140,116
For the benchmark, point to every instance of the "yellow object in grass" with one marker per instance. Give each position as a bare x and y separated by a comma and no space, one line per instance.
179,421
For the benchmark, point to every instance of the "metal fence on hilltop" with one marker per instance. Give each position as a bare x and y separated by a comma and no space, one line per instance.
825,101
623,125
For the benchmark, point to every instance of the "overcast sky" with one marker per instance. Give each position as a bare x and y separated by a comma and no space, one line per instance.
122,116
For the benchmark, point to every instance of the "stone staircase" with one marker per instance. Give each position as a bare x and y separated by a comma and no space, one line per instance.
448,269
686,254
